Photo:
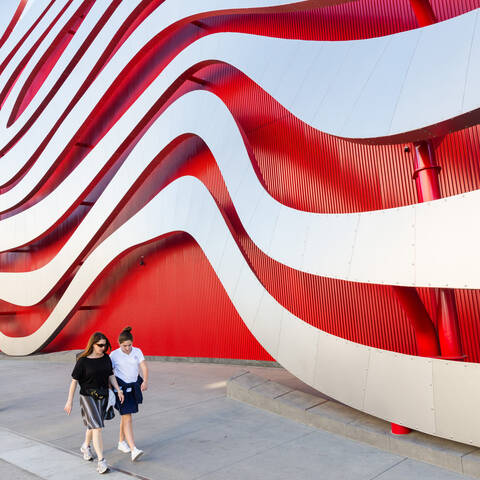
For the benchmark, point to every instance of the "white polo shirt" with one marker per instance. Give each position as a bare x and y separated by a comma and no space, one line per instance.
126,366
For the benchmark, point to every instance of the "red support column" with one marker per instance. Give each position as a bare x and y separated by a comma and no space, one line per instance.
449,344
425,334
399,429
424,12
447,326
428,188
426,172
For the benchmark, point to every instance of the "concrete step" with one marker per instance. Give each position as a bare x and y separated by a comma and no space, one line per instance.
320,412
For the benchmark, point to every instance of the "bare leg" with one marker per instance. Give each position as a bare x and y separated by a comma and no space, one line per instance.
121,436
128,430
88,437
98,442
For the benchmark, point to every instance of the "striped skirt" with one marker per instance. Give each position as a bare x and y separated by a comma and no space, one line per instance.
94,411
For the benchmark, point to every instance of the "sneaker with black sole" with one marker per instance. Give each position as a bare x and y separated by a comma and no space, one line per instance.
87,453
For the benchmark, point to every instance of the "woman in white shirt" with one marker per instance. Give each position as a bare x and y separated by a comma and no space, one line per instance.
127,361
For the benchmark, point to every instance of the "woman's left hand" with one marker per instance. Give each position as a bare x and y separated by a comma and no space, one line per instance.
144,386
120,396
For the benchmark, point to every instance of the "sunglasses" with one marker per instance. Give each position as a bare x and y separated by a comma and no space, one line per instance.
101,345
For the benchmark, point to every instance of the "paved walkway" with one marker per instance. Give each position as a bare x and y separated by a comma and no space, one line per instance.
187,427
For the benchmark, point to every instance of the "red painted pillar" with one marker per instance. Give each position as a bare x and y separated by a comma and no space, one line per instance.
428,188
424,12
425,334
449,343
447,326
426,172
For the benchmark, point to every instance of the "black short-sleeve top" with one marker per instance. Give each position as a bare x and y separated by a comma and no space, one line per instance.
92,373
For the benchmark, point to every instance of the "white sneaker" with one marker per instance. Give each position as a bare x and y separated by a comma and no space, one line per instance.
87,453
102,466
123,447
136,454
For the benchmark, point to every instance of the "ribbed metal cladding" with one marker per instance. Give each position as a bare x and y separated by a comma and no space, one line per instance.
447,9
312,171
363,313
307,169
348,21
176,293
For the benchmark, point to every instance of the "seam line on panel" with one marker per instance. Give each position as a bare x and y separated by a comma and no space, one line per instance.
364,86
353,248
403,83
468,62
366,378
330,86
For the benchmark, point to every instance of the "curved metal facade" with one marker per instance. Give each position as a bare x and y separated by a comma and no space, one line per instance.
234,180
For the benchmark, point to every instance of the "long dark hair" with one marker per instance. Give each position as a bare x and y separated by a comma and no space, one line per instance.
94,339
125,335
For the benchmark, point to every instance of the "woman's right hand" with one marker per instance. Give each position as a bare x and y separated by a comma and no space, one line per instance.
68,407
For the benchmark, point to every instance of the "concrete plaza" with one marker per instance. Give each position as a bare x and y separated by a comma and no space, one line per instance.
188,428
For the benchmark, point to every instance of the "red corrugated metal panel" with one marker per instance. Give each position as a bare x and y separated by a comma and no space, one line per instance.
348,21
176,304
447,9
353,20
353,311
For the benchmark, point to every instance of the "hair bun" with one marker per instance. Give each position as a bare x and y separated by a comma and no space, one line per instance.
127,329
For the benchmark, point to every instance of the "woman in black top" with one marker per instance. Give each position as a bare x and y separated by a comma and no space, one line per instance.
93,371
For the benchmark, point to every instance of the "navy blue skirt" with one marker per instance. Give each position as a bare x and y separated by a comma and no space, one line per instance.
131,397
